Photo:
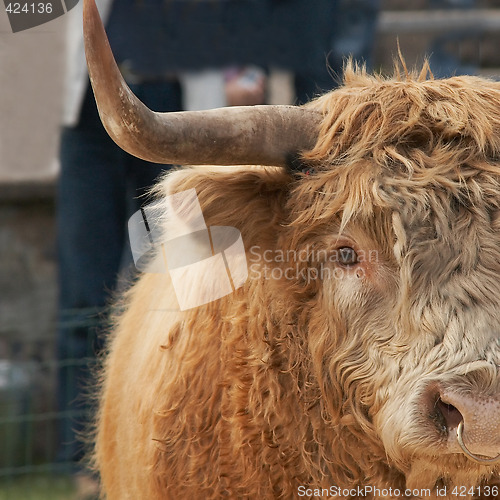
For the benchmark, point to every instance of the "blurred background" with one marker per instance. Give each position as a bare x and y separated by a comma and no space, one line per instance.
459,36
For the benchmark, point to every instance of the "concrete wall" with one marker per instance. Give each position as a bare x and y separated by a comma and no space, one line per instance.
31,83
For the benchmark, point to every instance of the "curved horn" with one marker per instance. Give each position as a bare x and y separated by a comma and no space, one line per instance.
246,135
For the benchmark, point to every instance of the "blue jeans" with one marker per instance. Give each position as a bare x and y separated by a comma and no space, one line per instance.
99,188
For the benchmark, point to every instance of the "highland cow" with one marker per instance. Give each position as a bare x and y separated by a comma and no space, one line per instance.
378,374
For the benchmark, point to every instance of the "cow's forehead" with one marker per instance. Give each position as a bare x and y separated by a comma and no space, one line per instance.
391,119
447,213
425,150
447,240
433,222
411,137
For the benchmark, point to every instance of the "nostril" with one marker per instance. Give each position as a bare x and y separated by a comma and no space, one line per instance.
466,421
451,415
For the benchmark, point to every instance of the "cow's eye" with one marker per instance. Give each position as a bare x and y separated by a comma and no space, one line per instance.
347,256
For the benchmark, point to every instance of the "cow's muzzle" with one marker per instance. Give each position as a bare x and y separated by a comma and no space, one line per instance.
471,421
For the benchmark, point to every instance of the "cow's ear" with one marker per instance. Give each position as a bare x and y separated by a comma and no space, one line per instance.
251,199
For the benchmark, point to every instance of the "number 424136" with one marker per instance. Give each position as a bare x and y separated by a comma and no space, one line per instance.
29,8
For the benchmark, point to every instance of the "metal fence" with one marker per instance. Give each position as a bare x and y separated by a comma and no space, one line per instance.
32,424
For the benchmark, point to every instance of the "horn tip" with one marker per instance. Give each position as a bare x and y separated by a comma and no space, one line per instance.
90,12
93,29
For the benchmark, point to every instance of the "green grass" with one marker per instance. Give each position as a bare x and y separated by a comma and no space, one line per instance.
37,487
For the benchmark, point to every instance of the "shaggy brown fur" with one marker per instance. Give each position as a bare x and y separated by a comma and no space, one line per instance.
316,378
